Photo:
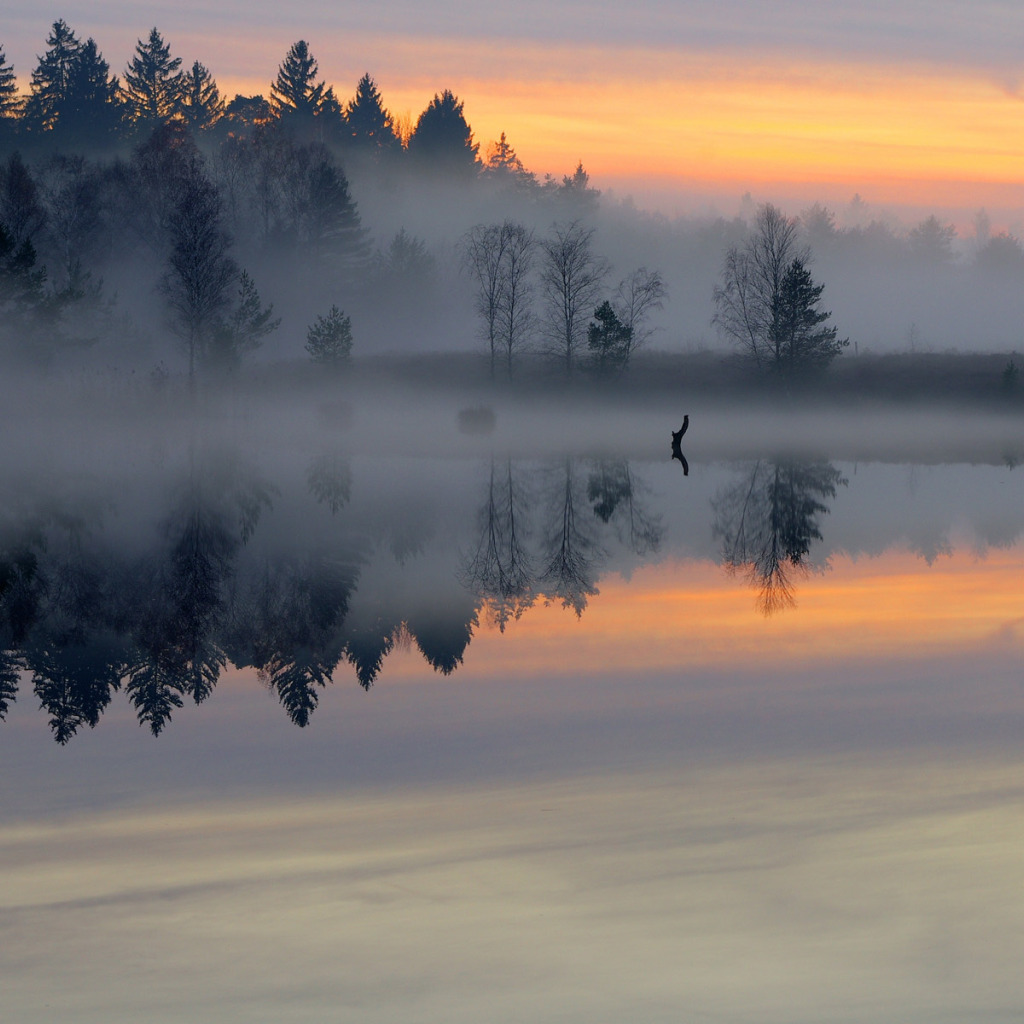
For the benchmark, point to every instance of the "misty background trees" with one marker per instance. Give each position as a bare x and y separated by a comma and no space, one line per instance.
425,236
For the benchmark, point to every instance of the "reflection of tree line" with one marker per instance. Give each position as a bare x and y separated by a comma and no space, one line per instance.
768,520
84,622
540,533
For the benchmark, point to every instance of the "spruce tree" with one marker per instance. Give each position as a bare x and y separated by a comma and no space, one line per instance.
51,80
201,102
10,104
153,84
370,126
295,94
442,139
92,112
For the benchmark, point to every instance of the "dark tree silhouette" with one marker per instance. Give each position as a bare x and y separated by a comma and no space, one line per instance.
51,80
504,168
609,340
768,521
369,127
11,665
92,114
576,193
244,115
296,96
571,277
200,270
10,101
74,677
201,103
153,84
442,633
807,344
442,140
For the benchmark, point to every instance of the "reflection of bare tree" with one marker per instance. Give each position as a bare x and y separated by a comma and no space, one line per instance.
499,571
768,521
570,548
615,496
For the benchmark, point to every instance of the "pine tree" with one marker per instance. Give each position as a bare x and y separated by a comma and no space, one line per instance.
296,96
153,84
51,80
370,126
504,166
201,102
442,139
609,339
10,103
329,339
802,342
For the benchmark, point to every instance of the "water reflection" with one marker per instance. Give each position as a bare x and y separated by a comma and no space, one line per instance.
768,520
225,563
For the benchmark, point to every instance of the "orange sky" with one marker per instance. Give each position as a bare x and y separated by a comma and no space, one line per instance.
822,108
644,120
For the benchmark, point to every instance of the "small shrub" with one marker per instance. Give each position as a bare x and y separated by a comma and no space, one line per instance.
329,338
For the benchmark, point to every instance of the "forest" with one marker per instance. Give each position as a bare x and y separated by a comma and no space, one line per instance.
151,226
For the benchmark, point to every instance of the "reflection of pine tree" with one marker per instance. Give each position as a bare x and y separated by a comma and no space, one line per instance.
613,494
768,522
499,571
75,677
367,644
442,633
10,666
294,620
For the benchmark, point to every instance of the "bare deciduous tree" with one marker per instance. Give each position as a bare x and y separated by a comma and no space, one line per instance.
637,296
571,276
500,258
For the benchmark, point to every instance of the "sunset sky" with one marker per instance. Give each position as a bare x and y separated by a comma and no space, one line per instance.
909,104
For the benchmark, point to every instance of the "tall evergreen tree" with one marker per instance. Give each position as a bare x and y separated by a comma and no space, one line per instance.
153,84
296,97
10,103
442,139
370,126
200,268
51,80
201,103
92,113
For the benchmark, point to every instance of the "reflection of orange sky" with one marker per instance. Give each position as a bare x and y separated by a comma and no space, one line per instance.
692,615
916,136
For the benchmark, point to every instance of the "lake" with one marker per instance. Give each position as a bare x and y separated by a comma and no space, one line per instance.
359,711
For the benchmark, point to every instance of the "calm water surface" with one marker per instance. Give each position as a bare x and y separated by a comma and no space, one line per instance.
525,726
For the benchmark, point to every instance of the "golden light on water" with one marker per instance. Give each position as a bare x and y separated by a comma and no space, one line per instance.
685,616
